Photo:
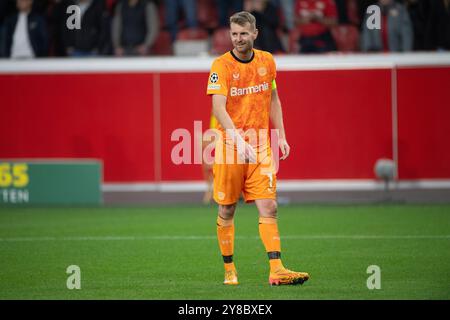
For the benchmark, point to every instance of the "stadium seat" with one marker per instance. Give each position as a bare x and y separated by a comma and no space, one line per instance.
221,41
163,44
346,37
191,42
192,34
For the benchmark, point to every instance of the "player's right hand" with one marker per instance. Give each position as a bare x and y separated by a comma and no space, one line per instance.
245,151
250,153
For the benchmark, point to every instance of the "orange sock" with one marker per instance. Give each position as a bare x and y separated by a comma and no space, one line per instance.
268,231
225,235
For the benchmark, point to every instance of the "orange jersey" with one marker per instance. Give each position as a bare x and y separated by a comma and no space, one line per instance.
247,86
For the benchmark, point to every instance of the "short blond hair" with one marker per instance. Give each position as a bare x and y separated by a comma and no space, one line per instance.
241,18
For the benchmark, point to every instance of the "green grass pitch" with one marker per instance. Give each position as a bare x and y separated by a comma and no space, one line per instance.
172,252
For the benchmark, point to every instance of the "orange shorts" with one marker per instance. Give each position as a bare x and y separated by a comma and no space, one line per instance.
254,181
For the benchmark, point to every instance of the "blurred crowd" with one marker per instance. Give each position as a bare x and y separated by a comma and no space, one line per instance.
48,28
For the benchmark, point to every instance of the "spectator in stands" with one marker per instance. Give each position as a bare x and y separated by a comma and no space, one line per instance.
172,8
285,11
315,19
91,39
25,34
41,6
226,8
111,5
395,33
416,10
5,9
135,27
287,7
56,20
437,30
267,25
347,12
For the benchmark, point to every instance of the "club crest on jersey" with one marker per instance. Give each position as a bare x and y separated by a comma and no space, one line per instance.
235,76
214,77
262,71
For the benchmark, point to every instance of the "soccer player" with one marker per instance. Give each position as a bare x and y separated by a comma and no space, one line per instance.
244,96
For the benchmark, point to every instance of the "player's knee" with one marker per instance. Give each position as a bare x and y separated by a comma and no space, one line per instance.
273,209
269,210
227,211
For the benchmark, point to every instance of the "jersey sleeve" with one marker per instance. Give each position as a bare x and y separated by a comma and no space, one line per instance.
218,79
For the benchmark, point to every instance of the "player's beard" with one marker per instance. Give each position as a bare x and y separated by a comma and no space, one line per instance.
245,48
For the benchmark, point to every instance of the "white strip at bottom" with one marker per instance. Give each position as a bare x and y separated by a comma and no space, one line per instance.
284,185
183,238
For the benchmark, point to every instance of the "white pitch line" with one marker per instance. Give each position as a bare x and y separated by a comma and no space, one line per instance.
167,237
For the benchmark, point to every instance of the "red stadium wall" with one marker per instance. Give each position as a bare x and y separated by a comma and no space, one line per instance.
424,122
183,101
339,122
103,116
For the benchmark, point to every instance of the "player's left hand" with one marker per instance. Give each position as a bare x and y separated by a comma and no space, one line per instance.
285,149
